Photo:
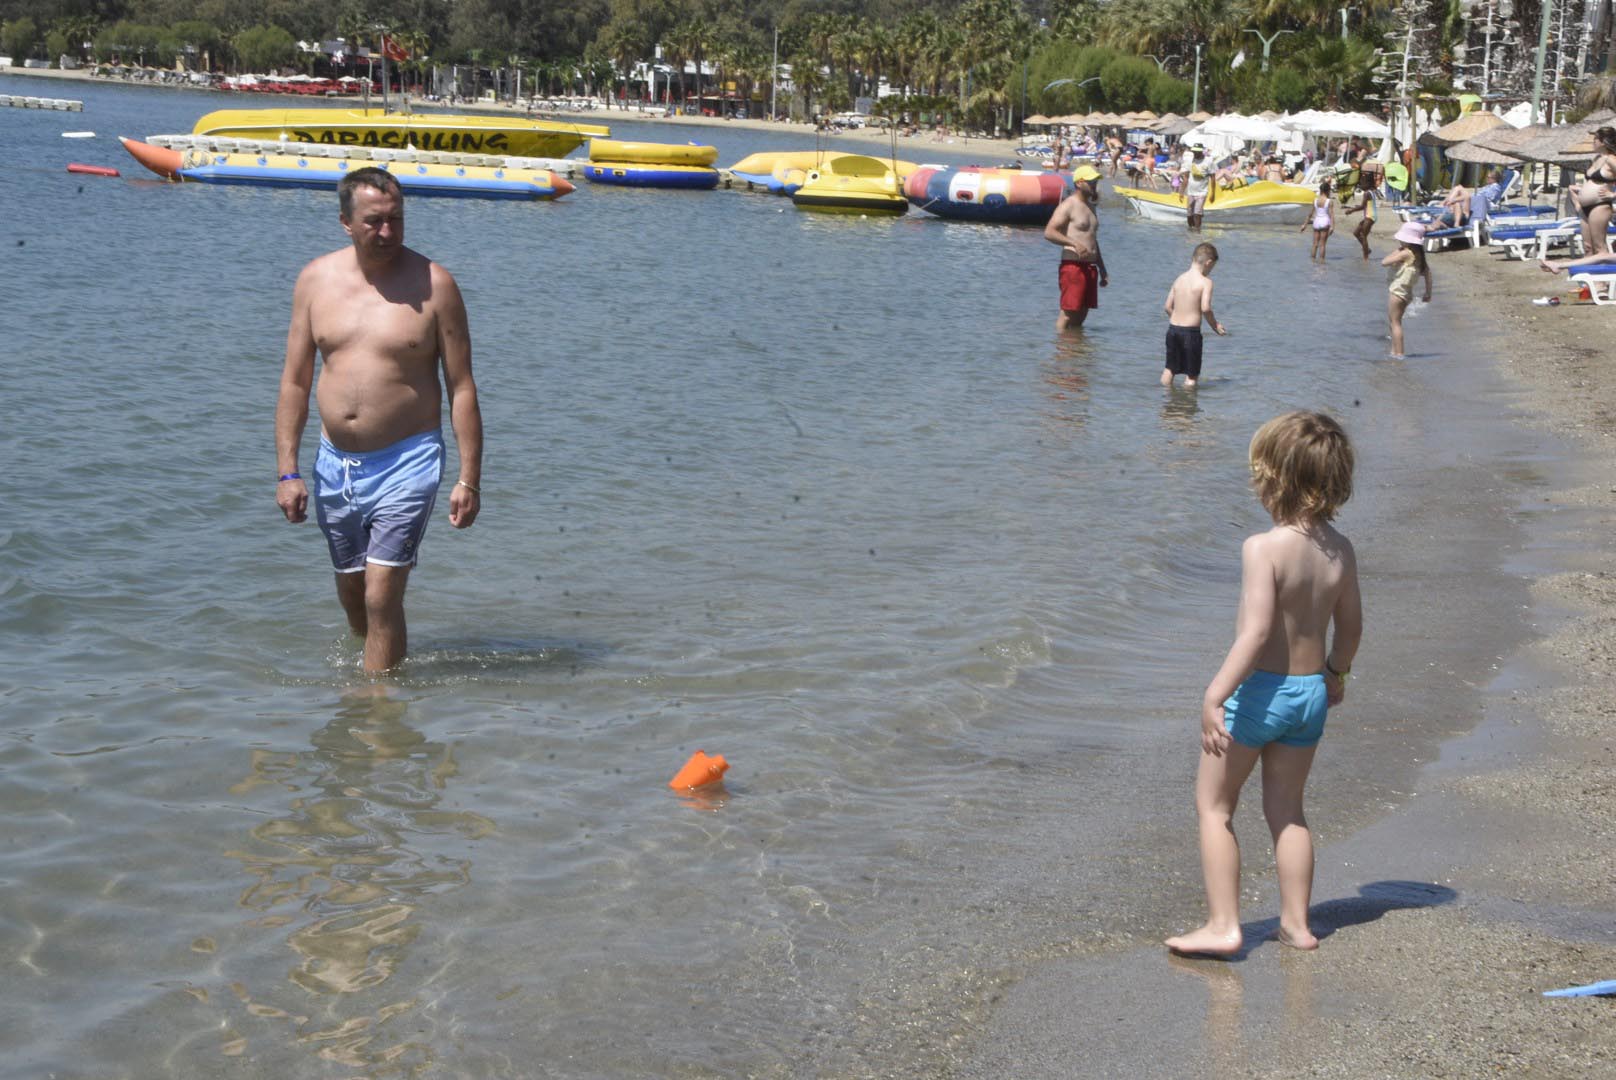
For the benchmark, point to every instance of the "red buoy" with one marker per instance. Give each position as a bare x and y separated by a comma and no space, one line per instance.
93,170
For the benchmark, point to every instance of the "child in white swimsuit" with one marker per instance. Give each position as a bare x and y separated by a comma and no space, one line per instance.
1323,220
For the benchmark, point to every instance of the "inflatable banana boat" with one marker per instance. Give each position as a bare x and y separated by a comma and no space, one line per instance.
294,169
647,164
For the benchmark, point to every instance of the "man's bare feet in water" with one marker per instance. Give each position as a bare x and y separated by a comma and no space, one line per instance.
1206,942
1298,939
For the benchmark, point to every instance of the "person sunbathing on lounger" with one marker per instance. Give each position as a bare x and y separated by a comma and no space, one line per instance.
1598,258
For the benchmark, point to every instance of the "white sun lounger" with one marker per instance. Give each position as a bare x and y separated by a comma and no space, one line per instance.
1600,280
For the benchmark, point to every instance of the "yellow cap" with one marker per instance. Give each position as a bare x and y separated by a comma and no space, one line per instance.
1085,172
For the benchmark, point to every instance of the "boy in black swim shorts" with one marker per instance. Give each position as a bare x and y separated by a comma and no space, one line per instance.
1188,302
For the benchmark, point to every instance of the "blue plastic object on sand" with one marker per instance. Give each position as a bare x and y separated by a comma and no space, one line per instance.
1598,989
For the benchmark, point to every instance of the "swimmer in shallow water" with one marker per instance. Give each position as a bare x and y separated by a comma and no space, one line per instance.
386,320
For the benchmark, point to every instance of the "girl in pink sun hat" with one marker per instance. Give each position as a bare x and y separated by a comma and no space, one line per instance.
1403,267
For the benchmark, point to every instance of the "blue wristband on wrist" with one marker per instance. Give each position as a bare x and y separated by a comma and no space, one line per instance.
290,476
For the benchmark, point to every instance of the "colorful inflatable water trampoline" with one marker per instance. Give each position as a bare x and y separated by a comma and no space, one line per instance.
999,196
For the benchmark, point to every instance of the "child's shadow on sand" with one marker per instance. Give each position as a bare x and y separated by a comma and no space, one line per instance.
1373,900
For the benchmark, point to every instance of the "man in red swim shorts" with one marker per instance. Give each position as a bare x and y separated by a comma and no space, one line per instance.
1076,228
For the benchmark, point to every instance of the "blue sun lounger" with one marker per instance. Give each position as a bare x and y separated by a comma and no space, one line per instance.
1532,239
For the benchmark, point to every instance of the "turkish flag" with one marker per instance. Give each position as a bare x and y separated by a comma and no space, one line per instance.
393,50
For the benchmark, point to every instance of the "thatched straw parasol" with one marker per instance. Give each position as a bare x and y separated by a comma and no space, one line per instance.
1563,145
1201,117
1036,120
1508,139
1464,129
1473,153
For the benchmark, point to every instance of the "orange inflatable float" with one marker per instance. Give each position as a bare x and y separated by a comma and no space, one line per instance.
699,771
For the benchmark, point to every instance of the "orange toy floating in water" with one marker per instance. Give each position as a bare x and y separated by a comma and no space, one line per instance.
699,770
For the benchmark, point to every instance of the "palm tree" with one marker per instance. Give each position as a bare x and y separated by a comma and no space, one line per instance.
808,80
1599,93
417,44
749,64
1338,66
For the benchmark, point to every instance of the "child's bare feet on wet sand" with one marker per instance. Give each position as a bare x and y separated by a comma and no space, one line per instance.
1206,942
1298,939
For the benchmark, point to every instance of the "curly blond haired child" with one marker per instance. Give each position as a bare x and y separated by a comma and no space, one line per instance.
1269,699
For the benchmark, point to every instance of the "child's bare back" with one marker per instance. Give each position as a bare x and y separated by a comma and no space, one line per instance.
1310,566
1190,296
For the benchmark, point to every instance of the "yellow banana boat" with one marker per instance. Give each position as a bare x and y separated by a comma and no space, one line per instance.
501,135
1259,202
618,151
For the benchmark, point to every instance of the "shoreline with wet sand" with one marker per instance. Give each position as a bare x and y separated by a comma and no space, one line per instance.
1487,882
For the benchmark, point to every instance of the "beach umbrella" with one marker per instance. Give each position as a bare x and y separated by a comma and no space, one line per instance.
1249,128
1464,129
1037,120
1201,117
1561,145
1472,153
1147,115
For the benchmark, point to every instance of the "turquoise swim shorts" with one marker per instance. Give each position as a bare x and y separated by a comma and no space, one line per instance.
374,506
1287,709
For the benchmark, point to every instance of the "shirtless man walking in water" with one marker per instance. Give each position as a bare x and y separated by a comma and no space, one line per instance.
384,318
1075,228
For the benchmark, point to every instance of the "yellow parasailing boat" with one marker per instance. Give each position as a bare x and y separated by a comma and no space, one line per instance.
649,153
1255,203
852,184
503,135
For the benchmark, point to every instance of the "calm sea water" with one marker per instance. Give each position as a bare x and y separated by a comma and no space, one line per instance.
828,496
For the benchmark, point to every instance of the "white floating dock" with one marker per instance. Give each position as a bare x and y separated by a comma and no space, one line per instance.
217,144
59,104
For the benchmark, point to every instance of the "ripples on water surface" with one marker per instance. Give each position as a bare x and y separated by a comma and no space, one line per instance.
826,495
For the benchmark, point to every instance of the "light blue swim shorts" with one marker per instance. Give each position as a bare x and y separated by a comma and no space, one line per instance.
1287,709
374,506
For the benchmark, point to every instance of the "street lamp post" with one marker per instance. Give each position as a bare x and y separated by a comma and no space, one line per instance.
1161,64
1195,98
774,75
1069,82
1542,51
1267,42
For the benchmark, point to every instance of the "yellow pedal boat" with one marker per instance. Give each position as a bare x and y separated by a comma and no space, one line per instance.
852,184
1255,203
501,135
